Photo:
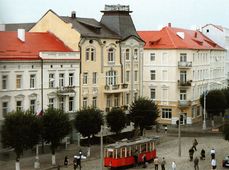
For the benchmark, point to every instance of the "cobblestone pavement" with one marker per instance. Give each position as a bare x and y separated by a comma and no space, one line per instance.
167,148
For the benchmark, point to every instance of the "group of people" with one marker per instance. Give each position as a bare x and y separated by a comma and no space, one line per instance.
202,156
76,161
157,162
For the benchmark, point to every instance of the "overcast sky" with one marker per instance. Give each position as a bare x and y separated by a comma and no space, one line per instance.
147,14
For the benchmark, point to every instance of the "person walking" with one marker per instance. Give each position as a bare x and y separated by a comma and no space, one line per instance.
195,143
196,163
213,163
174,166
191,152
156,163
144,161
202,154
66,160
213,153
163,162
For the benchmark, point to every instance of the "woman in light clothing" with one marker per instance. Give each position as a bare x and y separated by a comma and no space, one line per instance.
174,165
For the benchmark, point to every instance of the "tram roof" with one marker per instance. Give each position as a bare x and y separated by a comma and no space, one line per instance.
132,142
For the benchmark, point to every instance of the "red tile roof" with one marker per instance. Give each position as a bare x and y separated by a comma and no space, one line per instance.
168,38
11,48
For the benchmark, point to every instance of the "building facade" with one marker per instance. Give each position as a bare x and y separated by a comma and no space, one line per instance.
37,71
179,65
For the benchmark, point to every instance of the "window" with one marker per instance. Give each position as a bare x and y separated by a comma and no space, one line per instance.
90,54
135,75
51,102
71,104
18,105
152,74
4,108
111,78
4,81
111,55
183,76
183,57
183,95
166,113
18,81
164,75
61,103
127,76
32,80
127,54
94,102
153,94
116,101
85,102
71,79
61,79
152,56
94,78
135,96
127,98
85,76
32,105
136,54
51,80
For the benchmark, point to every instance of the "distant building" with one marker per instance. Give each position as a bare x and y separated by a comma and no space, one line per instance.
178,66
220,35
37,71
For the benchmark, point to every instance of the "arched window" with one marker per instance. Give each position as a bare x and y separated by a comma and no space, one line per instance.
127,54
111,78
90,54
111,55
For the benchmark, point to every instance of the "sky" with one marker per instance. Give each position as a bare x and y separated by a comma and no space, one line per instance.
147,14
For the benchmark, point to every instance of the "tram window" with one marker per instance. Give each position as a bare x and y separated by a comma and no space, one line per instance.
110,154
128,151
143,147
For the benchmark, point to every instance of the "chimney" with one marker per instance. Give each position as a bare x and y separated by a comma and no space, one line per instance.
169,24
21,34
73,15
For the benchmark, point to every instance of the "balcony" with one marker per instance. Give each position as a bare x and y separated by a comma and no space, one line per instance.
66,91
186,83
184,64
117,88
184,103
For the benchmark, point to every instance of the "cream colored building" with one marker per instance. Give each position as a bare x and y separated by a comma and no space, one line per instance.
179,65
111,55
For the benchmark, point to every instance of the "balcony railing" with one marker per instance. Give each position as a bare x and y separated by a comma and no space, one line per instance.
115,88
65,90
184,103
184,64
186,83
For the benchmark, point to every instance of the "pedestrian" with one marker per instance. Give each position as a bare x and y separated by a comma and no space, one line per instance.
196,163
174,165
191,152
213,153
177,123
135,157
213,163
195,143
75,162
144,161
156,163
166,129
66,160
163,162
202,153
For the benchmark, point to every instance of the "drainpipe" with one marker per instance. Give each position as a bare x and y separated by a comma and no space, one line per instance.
42,87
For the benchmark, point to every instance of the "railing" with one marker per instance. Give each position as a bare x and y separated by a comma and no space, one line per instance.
184,83
184,64
184,103
66,89
116,87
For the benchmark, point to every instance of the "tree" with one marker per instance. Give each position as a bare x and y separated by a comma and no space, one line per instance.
143,113
215,102
226,132
116,120
21,131
88,122
56,126
226,94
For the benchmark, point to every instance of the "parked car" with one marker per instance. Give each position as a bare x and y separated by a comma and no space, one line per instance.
225,162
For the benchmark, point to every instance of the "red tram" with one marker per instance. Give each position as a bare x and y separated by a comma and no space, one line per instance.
124,153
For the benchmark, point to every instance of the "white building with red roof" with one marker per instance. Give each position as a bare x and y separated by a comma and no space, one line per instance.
37,71
180,64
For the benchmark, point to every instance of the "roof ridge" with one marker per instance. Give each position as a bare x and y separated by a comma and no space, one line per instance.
170,37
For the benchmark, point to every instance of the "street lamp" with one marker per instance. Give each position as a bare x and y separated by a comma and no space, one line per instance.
179,137
101,147
80,155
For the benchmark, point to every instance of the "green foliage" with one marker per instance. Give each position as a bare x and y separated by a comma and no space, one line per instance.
226,132
88,121
143,113
116,120
56,126
215,102
21,131
226,94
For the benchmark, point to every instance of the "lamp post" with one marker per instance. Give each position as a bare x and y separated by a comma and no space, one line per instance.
80,154
101,147
179,137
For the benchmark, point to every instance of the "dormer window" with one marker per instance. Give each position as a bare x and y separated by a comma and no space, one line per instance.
111,55
90,54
